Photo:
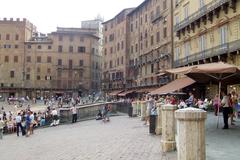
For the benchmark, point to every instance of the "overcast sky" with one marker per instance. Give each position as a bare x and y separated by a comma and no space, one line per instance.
48,14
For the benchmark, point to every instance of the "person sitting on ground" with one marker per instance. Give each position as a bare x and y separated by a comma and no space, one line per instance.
11,125
42,121
106,111
99,115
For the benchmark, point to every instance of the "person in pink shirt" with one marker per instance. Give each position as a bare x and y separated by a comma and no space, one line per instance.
216,104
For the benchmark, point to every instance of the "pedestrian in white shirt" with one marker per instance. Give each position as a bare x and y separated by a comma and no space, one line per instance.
225,105
19,124
55,117
74,114
1,128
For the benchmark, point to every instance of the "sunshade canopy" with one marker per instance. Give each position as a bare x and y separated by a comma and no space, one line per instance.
215,72
126,92
114,93
145,90
180,70
173,86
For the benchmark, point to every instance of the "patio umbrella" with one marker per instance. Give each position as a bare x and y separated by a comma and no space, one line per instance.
220,73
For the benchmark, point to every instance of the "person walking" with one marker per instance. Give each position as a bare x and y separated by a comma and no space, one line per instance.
231,106
225,105
150,105
1,128
55,117
74,114
19,124
28,123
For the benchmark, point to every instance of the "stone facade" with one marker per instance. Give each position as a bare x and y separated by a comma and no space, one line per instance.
147,36
115,51
206,31
150,43
35,64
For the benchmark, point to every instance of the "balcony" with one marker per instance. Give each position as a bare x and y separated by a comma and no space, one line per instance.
212,52
200,13
106,80
65,67
156,17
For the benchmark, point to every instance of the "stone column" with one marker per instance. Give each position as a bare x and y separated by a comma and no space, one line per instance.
134,105
159,119
168,142
143,110
191,134
139,108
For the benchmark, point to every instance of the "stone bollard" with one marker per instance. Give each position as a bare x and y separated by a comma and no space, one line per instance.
134,108
168,142
143,110
139,108
159,119
191,133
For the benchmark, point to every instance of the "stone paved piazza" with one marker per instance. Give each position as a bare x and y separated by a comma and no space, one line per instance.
122,139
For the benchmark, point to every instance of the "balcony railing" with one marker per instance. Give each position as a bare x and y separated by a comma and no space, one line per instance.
216,51
65,67
157,16
201,12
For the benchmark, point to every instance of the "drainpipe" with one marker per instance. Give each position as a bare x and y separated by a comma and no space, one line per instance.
172,36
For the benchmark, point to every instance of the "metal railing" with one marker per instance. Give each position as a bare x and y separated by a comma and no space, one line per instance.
201,12
215,51
157,16
65,67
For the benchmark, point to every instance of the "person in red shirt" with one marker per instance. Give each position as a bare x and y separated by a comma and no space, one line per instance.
173,100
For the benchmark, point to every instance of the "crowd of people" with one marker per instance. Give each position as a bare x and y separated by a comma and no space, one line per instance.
228,104
26,120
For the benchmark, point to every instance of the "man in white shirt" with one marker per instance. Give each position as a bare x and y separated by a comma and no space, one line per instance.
74,114
150,104
1,128
55,117
19,124
225,105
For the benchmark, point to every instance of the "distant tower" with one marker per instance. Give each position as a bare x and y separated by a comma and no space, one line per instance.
95,24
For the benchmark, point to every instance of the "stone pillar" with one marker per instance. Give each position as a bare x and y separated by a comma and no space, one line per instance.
191,133
168,142
134,105
159,119
139,108
143,110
